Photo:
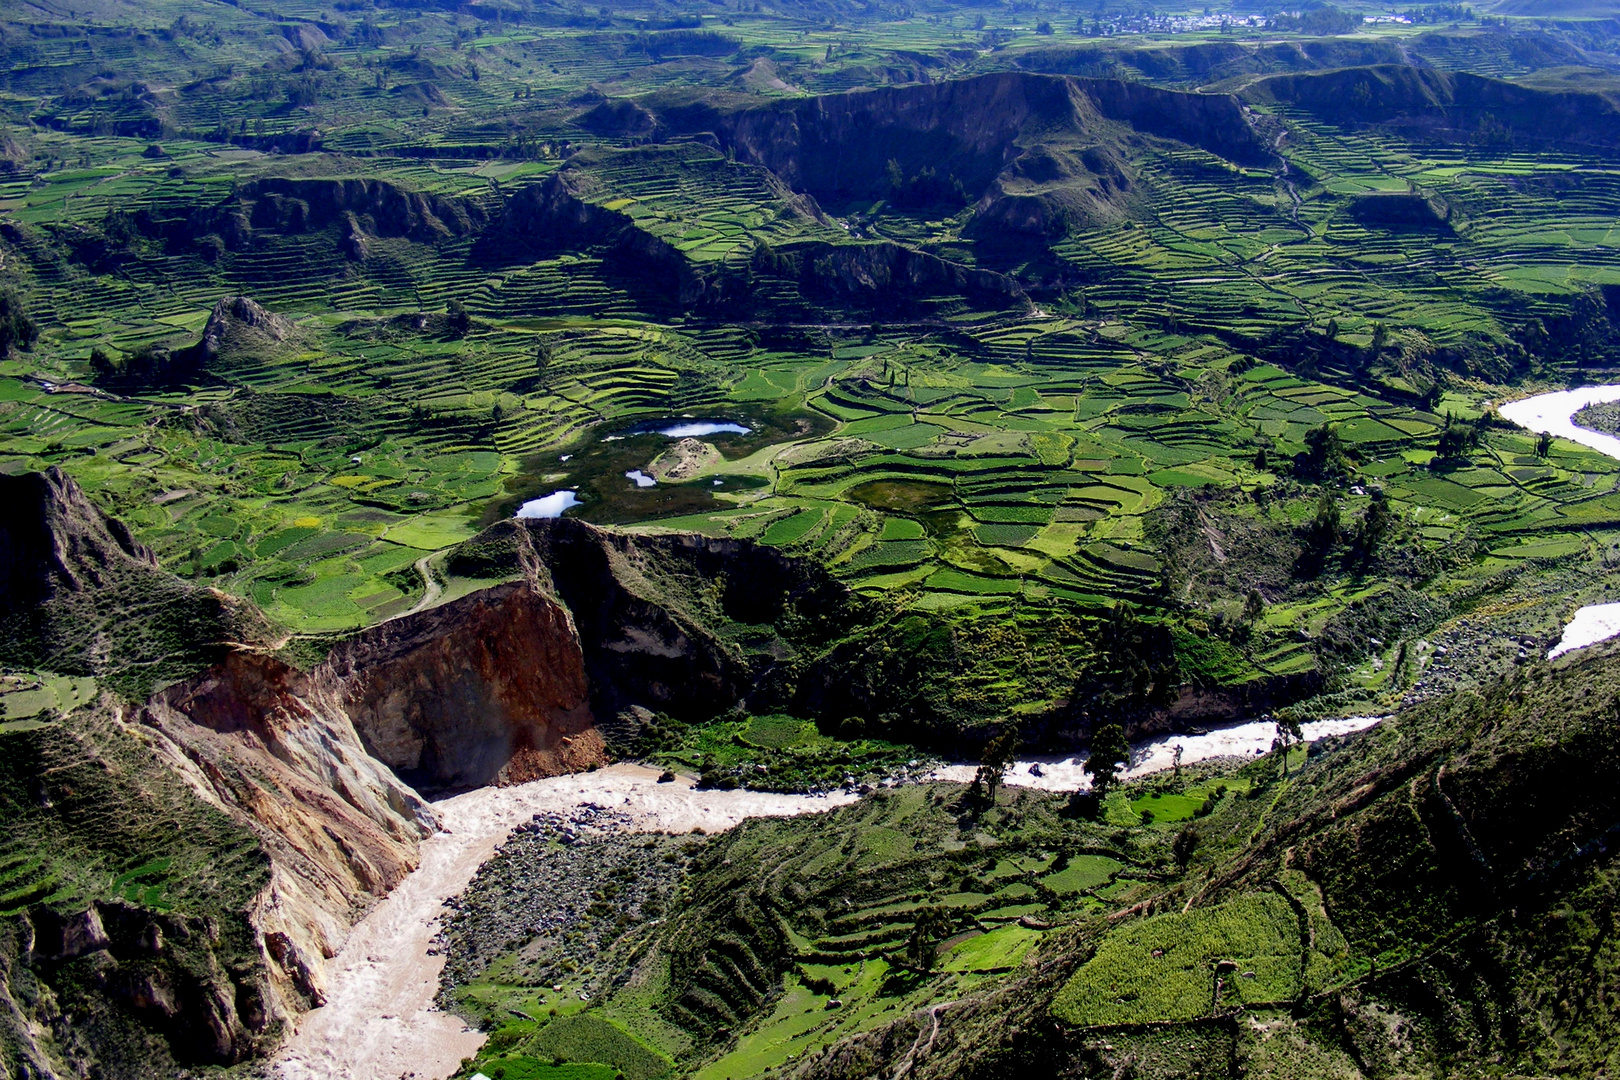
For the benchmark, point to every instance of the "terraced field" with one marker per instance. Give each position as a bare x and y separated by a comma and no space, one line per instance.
1119,357
828,908
1018,458
1123,367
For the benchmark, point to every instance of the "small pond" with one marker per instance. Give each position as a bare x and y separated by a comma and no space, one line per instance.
606,471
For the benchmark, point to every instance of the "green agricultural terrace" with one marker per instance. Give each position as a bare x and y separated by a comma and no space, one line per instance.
910,381
1062,358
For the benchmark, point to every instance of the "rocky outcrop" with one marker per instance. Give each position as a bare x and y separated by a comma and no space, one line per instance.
128,950
162,967
273,747
302,767
839,146
53,539
880,276
484,690
676,622
1045,192
487,689
618,117
358,210
79,595
552,216
291,205
556,215
239,327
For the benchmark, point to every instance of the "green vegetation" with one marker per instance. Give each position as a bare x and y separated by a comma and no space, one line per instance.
1103,370
912,894
1327,893
771,753
588,1038
445,356
96,830
1166,967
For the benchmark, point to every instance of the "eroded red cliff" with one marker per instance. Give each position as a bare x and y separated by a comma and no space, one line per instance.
487,689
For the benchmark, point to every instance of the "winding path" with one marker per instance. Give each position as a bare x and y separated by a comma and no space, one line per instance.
920,1049
431,589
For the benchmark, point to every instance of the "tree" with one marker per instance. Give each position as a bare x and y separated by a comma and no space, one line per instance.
1254,607
1043,27
1375,523
1325,526
1543,444
1185,844
456,318
1380,336
1431,397
1324,456
932,925
1457,439
1288,735
998,754
105,366
1109,751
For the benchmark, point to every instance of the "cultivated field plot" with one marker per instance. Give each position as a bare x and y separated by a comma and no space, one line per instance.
514,252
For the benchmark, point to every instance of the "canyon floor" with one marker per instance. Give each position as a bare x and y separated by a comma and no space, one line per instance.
379,1020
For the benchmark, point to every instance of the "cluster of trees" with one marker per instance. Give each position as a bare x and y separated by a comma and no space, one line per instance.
1459,438
1586,335
685,43
1328,531
932,925
17,329
1133,667
1439,13
148,367
1325,459
456,320
923,189
1318,19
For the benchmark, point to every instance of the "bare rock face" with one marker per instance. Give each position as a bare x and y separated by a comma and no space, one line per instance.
237,325
79,595
317,765
272,747
660,618
488,689
55,539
